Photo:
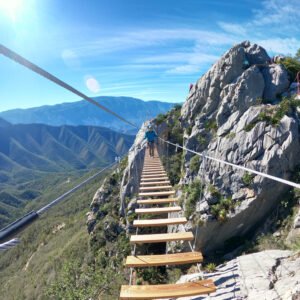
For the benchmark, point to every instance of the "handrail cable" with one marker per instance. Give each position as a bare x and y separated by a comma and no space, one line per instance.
22,222
33,67
9,244
275,178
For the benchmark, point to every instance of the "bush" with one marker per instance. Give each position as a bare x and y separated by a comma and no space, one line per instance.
160,119
189,130
210,267
221,209
211,125
272,116
292,65
247,178
201,140
195,164
193,191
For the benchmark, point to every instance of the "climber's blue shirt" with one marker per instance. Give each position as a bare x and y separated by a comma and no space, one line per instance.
150,136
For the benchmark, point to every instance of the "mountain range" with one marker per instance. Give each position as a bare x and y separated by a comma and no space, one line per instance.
83,113
33,155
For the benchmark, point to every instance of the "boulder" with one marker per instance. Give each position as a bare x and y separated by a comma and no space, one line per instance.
276,81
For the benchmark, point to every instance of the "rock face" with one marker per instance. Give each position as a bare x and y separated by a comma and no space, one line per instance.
122,191
132,173
271,274
226,113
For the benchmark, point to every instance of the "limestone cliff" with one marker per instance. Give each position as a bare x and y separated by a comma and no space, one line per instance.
237,114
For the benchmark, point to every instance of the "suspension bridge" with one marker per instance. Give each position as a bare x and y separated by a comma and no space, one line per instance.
157,198
155,190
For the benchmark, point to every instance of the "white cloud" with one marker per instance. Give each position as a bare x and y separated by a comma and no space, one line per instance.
233,28
185,69
149,38
287,46
284,14
273,26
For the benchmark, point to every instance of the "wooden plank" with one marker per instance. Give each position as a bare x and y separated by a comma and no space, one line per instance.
157,201
154,173
159,169
159,222
152,194
155,188
152,160
154,178
162,260
154,182
161,237
158,210
164,291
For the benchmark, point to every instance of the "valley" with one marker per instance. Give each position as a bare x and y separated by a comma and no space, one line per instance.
36,159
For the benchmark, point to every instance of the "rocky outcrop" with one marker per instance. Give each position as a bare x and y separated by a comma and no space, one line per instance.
271,274
230,121
132,173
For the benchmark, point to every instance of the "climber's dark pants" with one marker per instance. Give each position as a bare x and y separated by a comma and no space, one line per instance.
151,148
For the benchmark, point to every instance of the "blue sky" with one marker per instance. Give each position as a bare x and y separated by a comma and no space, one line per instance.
145,49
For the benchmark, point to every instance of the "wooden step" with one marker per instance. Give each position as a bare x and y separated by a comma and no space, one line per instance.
159,222
162,260
155,182
154,173
154,178
157,201
152,194
160,169
152,160
161,237
158,210
164,291
155,188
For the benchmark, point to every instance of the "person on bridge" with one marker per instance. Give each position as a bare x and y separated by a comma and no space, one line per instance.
150,136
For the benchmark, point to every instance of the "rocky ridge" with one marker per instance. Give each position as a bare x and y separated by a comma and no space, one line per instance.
236,106
235,112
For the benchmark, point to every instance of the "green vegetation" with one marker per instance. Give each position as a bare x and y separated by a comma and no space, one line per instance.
231,135
292,64
211,125
221,209
192,191
195,164
160,119
189,130
214,191
173,167
247,178
201,140
172,159
50,248
210,267
57,259
250,126
273,115
152,275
